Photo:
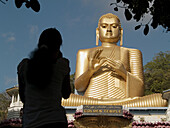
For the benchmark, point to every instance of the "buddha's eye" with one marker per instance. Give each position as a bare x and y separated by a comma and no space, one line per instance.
114,26
104,25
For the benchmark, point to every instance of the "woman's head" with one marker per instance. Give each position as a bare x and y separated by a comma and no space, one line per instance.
41,62
50,38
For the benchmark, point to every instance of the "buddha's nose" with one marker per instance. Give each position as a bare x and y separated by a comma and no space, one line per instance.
109,29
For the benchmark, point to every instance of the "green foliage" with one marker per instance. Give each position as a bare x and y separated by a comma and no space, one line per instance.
72,78
157,73
137,9
4,103
3,115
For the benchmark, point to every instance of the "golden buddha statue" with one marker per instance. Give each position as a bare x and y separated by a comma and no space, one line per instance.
110,74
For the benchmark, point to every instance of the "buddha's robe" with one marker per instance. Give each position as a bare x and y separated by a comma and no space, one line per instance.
106,87
107,84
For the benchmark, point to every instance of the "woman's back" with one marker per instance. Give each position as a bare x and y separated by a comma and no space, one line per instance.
43,105
43,81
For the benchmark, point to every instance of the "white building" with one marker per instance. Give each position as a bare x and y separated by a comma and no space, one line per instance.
14,110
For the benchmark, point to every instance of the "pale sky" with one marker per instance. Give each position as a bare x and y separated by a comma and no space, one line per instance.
76,20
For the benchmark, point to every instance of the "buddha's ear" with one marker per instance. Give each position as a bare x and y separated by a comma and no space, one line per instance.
121,37
97,36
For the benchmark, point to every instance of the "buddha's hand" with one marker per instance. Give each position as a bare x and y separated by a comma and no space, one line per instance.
118,67
96,61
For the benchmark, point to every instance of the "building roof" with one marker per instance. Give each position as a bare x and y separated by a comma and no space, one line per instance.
12,91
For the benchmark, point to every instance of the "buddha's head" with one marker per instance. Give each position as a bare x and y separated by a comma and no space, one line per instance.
109,28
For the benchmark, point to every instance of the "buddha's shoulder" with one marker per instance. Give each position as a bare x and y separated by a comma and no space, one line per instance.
131,50
88,50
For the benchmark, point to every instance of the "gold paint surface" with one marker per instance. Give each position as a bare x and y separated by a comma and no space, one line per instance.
110,74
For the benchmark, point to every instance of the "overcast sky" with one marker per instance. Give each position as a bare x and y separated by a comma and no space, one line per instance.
76,20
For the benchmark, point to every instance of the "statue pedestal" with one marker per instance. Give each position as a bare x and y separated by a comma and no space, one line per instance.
102,116
166,95
102,122
131,117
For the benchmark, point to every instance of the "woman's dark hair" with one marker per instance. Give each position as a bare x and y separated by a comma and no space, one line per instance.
41,59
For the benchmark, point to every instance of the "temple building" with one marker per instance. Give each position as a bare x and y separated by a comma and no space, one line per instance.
14,110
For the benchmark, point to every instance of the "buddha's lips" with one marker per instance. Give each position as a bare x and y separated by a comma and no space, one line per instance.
109,34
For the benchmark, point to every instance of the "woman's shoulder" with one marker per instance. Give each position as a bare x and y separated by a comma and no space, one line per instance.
63,60
22,64
63,64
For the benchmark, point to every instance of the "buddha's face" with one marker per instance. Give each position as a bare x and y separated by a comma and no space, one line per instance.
109,30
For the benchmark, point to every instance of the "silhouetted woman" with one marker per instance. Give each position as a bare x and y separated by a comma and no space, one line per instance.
43,81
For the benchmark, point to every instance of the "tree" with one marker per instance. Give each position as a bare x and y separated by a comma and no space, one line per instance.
137,9
34,4
3,1
72,78
4,103
157,73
